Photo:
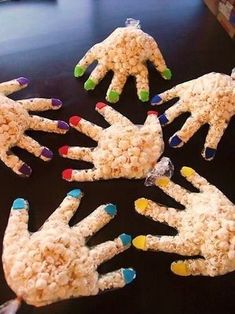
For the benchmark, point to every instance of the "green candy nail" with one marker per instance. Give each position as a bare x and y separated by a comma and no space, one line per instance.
166,74
89,84
78,71
112,96
143,95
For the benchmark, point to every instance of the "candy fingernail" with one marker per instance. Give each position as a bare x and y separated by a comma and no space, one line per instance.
156,100
112,96
180,268
152,112
23,81
19,203
63,151
62,125
78,71
89,84
128,275
56,103
111,209
175,141
162,181
209,153
163,119
166,74
47,153
100,105
141,204
25,170
74,120
140,242
76,193
125,238
187,171
67,174
143,95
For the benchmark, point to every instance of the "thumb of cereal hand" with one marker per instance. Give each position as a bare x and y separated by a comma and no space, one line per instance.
124,52
210,99
54,263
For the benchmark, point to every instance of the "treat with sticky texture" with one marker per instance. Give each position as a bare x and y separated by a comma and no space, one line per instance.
210,99
206,227
15,120
55,263
124,150
125,52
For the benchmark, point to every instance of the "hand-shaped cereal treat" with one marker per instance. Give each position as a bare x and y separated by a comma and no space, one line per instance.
54,263
124,149
15,120
206,227
125,52
210,99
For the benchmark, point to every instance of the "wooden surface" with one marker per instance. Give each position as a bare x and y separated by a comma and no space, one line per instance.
43,40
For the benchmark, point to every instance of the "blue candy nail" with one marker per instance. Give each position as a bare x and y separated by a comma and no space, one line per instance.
175,141
19,203
128,275
125,238
76,193
163,119
111,209
156,100
210,153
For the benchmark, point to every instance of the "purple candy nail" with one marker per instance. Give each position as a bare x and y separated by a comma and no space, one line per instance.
47,153
23,81
25,170
63,125
56,102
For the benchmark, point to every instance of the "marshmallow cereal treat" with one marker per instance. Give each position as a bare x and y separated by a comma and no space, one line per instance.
206,227
124,52
55,263
124,150
15,120
210,99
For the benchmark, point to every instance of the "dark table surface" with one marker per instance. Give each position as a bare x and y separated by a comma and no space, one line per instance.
43,40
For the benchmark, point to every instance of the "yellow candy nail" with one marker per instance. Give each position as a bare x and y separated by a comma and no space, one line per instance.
162,181
141,204
187,171
180,268
140,242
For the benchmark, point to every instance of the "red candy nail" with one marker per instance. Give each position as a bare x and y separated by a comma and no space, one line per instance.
75,120
67,174
152,112
63,151
100,105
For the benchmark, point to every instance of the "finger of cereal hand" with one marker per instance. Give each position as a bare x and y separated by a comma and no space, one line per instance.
96,76
35,148
142,84
195,267
77,153
109,249
66,209
173,112
191,126
86,127
192,176
116,279
116,87
17,226
81,175
17,165
112,116
42,124
40,104
96,220
213,138
157,212
12,86
177,192
165,96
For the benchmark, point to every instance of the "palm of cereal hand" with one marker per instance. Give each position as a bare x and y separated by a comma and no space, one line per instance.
15,120
124,52
54,263
206,227
210,99
123,150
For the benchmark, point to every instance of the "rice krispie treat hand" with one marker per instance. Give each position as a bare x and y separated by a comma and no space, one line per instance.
206,227
210,99
54,263
15,120
125,52
124,149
